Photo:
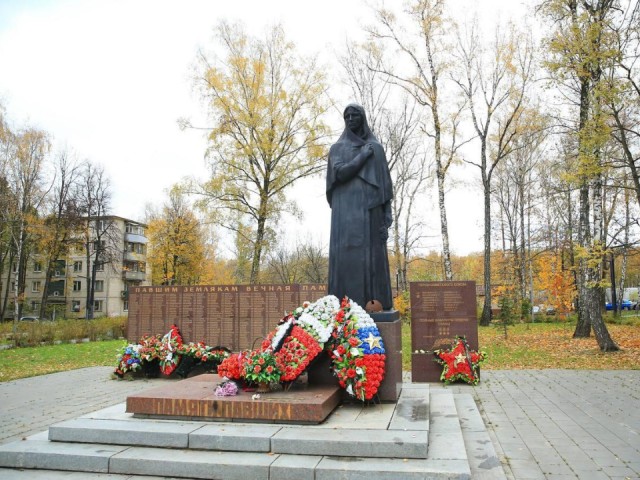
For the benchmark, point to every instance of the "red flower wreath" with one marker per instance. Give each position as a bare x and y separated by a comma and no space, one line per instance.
170,346
460,362
297,352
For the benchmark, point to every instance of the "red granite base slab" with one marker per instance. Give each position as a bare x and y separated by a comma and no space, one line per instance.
194,398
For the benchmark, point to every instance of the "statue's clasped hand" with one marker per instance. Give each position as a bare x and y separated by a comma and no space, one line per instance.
367,150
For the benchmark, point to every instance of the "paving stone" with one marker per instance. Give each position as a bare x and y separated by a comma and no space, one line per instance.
148,433
58,456
294,467
192,464
587,474
239,438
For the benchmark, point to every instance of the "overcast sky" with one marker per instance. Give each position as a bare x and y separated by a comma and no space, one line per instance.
109,79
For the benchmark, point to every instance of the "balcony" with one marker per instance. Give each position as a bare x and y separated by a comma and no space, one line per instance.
135,238
134,257
136,276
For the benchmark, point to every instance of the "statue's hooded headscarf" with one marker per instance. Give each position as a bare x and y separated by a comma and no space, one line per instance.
375,170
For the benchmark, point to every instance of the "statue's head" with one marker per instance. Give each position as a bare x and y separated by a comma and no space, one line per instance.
354,119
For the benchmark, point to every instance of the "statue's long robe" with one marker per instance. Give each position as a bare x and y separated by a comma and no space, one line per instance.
360,211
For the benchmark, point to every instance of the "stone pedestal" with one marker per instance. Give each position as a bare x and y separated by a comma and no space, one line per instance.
391,333
424,368
194,399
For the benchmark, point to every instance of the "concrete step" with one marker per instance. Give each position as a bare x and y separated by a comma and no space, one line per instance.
431,432
483,460
351,443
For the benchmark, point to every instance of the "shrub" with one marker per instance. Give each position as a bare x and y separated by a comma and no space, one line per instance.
64,331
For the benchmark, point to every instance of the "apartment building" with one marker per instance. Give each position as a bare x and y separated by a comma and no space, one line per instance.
67,290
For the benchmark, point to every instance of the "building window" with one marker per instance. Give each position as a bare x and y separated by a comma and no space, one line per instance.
126,306
37,266
77,266
99,286
75,306
35,306
134,229
77,285
97,306
100,267
35,286
135,247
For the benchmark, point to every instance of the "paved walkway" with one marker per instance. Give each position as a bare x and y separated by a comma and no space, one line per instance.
563,424
545,424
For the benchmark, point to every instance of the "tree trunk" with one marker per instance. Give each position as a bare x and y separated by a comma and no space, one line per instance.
485,319
5,300
45,296
88,311
583,326
257,247
444,226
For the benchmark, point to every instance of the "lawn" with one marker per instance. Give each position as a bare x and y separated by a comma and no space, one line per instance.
538,345
31,361
549,345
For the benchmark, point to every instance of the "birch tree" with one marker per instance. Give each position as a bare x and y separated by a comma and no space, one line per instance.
580,49
496,83
425,47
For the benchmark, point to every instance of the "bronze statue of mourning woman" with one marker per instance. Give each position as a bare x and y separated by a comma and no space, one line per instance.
359,192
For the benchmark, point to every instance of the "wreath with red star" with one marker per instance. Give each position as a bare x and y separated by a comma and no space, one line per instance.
460,362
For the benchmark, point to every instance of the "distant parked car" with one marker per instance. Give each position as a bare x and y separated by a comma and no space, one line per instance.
30,318
625,305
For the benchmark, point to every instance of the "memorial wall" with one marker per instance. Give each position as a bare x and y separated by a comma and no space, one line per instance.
234,316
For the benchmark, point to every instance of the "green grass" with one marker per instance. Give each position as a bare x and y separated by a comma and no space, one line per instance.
31,361
550,345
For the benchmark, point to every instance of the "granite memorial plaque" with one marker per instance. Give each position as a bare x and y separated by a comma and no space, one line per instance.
439,312
232,316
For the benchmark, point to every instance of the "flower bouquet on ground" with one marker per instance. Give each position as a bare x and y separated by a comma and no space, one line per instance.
169,350
232,367
193,353
460,362
149,350
213,356
261,367
128,360
190,355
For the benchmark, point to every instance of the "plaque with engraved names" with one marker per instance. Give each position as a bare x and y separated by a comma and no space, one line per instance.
439,312
232,316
